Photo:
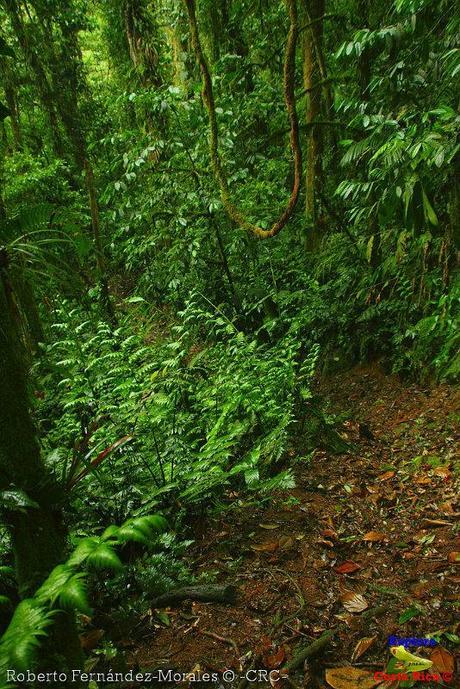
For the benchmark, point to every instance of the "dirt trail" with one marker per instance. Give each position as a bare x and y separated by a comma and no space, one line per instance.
381,522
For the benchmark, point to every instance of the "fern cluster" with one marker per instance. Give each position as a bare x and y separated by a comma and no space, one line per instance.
198,418
65,589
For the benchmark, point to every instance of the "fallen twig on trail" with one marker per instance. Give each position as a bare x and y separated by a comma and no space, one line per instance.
309,651
212,593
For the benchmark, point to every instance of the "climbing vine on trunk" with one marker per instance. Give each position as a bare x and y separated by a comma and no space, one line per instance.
289,95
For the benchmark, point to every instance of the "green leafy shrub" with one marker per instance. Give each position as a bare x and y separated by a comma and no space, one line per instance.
65,589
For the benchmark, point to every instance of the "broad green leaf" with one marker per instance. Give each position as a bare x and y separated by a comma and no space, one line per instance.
412,663
17,499
409,614
428,210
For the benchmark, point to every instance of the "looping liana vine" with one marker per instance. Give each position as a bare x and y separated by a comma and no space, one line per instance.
289,95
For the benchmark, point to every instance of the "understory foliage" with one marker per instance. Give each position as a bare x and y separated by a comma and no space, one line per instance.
170,355
65,589
188,419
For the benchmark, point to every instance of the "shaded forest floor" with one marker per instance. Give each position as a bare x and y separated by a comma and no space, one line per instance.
381,522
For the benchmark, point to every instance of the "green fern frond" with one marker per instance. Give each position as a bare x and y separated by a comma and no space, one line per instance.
356,151
20,641
5,602
150,523
104,557
110,532
130,533
140,529
73,594
83,551
51,588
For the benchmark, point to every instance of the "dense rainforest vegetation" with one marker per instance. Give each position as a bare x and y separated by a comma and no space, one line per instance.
206,206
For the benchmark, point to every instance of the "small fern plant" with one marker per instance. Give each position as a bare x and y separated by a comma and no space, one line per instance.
65,589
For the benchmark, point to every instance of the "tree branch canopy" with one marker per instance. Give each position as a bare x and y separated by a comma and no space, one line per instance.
289,95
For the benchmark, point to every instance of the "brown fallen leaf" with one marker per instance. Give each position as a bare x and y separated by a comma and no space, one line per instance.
454,557
285,542
265,645
374,536
423,480
324,541
362,646
273,661
269,526
386,476
90,640
329,533
347,567
345,617
351,678
268,547
443,660
435,522
444,472
354,602
390,496
422,588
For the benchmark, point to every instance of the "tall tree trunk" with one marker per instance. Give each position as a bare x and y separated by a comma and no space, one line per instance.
33,331
364,60
60,99
454,207
37,533
213,14
11,100
142,36
179,75
42,83
312,44
100,254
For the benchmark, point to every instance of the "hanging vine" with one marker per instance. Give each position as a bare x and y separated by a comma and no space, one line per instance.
289,95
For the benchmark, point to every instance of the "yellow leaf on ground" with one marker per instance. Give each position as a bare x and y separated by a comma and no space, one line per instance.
353,602
435,522
386,475
374,536
286,542
442,471
362,646
351,678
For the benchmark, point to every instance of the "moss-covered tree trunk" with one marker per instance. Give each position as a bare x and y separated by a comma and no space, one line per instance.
454,207
41,80
37,532
312,42
59,94
364,60
10,89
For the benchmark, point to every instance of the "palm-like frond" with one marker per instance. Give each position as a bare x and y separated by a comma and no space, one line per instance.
28,626
66,588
